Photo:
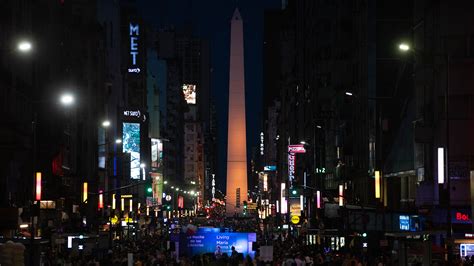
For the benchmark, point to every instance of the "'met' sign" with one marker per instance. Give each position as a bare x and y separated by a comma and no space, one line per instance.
134,33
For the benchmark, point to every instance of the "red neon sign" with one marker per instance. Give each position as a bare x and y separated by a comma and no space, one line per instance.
462,217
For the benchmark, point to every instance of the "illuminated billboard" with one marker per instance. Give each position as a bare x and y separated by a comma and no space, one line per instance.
131,145
189,91
207,242
156,153
157,186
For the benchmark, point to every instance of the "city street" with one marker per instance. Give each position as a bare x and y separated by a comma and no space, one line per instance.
236,132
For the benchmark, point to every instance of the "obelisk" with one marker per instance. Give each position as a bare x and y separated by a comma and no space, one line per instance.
236,136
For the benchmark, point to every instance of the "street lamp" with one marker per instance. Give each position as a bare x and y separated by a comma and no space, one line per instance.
403,47
67,99
118,141
24,46
442,151
106,123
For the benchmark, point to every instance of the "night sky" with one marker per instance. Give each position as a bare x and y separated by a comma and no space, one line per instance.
210,19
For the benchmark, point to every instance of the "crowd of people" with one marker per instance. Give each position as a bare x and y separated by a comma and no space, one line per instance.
153,248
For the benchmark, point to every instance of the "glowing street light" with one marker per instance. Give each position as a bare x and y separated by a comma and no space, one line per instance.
404,47
348,93
24,46
67,99
106,123
118,141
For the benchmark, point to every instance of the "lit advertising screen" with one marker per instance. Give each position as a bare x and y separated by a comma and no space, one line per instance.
207,242
131,144
189,91
156,153
157,186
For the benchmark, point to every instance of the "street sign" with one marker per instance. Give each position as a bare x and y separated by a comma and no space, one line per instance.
252,205
295,219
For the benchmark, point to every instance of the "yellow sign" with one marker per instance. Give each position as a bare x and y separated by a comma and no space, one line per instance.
295,209
252,205
114,219
295,219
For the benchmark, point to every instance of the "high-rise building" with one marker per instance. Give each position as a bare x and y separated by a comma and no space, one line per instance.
236,191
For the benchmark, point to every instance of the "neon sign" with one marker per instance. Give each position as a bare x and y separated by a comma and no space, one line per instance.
292,150
462,217
134,32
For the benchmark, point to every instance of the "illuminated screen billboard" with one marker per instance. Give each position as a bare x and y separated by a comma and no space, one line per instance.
157,186
156,153
131,145
206,242
189,91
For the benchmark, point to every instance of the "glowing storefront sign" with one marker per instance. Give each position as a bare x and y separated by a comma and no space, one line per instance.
404,222
262,146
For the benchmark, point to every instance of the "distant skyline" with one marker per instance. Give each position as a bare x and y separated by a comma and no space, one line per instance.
210,19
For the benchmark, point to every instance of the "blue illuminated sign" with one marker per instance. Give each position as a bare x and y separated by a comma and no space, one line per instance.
269,168
207,240
134,32
404,222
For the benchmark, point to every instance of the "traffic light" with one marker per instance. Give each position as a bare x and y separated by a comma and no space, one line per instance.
294,192
148,190
245,205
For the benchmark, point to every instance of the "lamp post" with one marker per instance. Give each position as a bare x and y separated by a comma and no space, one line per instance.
404,47
66,99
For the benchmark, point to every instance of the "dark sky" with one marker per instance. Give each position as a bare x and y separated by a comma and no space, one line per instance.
210,19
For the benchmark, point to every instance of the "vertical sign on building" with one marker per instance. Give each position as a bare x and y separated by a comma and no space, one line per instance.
283,198
134,33
292,151
262,145
213,187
